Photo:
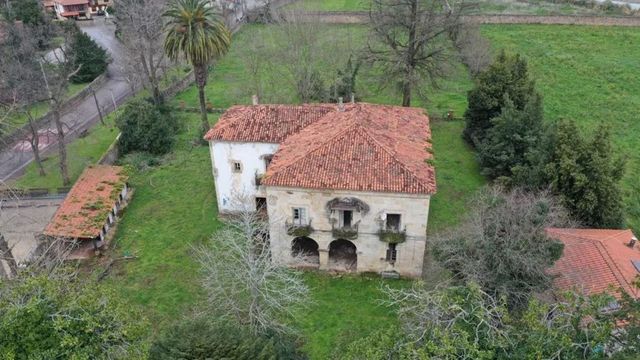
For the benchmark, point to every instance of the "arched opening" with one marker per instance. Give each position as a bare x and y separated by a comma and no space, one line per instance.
305,251
342,255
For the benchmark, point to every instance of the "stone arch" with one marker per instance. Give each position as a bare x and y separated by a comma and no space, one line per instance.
305,249
343,255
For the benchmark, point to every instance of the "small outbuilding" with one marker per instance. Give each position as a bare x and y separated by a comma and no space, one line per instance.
90,209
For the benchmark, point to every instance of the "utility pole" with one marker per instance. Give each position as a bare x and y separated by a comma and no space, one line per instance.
95,98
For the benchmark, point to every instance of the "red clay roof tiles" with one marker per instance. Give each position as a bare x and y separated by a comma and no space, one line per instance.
595,260
84,211
265,123
364,148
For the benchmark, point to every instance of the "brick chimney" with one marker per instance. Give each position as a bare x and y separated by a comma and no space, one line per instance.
255,100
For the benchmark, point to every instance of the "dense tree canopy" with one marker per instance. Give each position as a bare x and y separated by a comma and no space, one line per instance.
59,317
586,174
511,225
507,78
89,57
145,127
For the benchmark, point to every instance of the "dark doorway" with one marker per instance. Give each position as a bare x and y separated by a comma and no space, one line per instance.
305,251
347,217
342,255
261,204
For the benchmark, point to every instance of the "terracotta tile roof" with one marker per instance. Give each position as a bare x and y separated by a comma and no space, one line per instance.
85,210
265,123
72,2
595,260
366,147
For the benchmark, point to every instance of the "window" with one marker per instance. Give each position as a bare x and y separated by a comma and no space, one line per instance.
346,218
393,222
267,161
300,216
392,253
236,166
261,204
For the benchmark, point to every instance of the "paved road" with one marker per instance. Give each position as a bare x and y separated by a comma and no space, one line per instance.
116,89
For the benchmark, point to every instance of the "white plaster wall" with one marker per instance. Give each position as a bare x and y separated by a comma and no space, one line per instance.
414,210
229,184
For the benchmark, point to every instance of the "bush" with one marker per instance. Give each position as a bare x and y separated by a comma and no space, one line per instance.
201,339
91,58
145,127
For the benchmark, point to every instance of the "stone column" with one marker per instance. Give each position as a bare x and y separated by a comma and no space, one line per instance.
324,259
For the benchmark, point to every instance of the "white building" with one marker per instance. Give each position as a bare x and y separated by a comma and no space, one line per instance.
347,187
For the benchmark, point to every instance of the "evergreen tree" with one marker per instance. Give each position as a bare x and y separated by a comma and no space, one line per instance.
91,58
28,11
507,77
145,128
345,84
587,175
510,140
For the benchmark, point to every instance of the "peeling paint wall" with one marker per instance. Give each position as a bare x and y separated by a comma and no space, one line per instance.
229,184
371,252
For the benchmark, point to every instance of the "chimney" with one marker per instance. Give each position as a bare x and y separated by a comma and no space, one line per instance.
255,100
633,241
353,98
340,104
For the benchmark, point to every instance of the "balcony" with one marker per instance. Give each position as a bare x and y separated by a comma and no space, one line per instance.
345,232
298,229
258,179
392,236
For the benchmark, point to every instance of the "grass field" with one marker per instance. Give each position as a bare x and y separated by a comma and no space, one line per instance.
588,74
534,7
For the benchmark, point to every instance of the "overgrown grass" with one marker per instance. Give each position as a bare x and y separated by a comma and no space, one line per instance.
588,74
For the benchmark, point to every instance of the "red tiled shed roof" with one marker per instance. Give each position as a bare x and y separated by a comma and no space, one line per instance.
366,147
72,2
86,208
595,260
265,123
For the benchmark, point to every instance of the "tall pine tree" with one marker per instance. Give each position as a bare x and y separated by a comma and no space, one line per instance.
510,140
89,56
586,175
507,77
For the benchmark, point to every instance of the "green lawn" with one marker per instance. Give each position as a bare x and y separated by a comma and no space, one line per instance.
533,7
589,74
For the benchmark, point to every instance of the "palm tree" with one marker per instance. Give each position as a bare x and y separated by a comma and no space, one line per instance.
195,31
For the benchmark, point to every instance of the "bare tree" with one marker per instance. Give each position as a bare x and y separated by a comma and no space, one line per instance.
512,224
21,81
140,23
244,283
412,41
56,76
474,49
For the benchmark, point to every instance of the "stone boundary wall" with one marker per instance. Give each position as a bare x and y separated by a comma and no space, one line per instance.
72,102
361,17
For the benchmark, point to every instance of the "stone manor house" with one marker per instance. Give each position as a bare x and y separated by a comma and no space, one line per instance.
345,187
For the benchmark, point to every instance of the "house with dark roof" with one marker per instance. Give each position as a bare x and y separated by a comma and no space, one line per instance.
596,261
345,187
90,209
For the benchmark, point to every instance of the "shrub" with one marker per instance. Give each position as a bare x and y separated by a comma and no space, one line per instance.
202,339
145,127
91,58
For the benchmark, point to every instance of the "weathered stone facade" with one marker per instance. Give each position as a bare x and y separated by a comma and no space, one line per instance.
370,250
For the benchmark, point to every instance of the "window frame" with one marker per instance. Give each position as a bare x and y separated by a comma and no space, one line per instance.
301,218
386,222
236,166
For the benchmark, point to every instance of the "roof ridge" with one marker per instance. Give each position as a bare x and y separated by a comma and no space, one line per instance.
392,154
322,143
611,264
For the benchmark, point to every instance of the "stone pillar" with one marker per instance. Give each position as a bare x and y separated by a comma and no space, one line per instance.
324,259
